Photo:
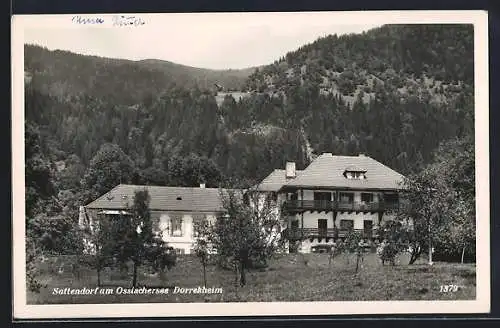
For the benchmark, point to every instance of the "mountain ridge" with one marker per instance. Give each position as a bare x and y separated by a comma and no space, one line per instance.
160,61
396,100
51,71
350,65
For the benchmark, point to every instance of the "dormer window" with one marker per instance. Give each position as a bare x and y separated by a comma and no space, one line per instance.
355,175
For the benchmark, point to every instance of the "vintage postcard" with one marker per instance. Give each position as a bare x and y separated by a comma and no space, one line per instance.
237,164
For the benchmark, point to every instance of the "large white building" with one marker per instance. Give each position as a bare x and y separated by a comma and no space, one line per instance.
317,205
174,210
333,195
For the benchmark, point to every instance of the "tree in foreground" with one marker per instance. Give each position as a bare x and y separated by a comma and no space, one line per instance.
132,239
141,245
455,165
395,237
99,243
140,233
248,233
39,193
116,240
202,247
423,216
352,245
440,211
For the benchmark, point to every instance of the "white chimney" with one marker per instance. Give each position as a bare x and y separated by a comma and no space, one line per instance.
202,185
290,170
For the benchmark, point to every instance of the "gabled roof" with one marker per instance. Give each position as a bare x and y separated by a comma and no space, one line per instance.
327,170
275,180
162,198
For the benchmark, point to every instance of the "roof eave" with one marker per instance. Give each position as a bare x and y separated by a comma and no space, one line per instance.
293,187
159,209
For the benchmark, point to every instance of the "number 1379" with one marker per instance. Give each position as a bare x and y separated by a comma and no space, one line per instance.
448,288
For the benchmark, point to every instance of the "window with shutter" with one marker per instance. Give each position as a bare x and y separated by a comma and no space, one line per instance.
366,197
164,225
346,197
176,228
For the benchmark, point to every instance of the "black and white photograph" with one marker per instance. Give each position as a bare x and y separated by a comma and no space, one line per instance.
250,163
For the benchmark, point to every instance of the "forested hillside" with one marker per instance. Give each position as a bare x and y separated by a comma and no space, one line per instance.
403,58
393,93
64,74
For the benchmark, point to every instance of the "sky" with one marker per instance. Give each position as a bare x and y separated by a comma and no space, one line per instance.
216,41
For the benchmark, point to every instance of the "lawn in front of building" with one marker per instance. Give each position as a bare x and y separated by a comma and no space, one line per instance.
288,278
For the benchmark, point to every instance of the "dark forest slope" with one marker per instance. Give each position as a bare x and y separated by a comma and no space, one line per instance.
64,74
393,93
406,59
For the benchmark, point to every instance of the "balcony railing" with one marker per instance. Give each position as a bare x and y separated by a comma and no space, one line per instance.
326,205
359,206
310,205
304,233
394,206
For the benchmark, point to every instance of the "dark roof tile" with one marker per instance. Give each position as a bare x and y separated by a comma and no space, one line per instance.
275,180
327,170
162,198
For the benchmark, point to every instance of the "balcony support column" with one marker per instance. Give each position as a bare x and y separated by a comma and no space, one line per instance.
380,215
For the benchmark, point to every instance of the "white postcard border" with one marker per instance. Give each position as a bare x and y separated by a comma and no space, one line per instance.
482,303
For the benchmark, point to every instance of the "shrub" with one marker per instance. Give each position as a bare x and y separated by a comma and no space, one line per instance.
387,252
294,246
163,257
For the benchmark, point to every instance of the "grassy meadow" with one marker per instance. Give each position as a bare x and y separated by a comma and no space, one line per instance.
289,277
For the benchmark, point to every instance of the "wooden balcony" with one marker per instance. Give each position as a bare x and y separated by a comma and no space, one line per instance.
309,205
360,207
395,206
300,234
326,206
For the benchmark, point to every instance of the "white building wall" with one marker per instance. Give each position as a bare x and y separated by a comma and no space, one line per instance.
311,219
358,218
186,240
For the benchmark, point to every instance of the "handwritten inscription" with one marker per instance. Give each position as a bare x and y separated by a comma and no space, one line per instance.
121,20
87,20
116,20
